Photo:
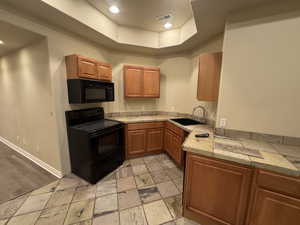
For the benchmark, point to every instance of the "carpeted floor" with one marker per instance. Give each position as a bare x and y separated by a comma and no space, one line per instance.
19,175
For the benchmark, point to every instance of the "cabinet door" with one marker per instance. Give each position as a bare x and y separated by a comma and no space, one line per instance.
216,193
151,83
168,142
155,139
271,208
177,149
104,72
133,81
136,142
209,76
87,68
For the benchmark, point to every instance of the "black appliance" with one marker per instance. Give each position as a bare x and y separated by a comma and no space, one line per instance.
96,145
89,91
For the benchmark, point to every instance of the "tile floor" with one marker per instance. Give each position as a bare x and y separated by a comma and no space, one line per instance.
143,191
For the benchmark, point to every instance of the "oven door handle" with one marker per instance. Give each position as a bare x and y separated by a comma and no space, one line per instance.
106,131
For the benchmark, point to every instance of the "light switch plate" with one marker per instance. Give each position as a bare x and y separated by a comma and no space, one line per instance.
223,122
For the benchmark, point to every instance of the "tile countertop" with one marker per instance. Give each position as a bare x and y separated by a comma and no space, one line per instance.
278,158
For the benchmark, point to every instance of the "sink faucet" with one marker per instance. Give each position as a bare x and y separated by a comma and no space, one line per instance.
203,111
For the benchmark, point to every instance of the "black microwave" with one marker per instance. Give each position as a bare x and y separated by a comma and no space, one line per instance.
89,91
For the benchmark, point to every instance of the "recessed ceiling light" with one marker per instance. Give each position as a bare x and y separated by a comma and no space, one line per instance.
1,42
114,9
168,25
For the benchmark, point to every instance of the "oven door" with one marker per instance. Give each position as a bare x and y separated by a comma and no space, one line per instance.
108,145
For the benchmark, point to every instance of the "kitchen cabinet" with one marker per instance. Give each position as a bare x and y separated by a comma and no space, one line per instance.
209,76
144,138
104,71
275,200
87,68
174,137
141,82
271,208
168,142
133,81
216,192
151,82
155,139
136,141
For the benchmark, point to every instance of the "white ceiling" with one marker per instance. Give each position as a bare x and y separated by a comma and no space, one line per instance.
143,14
209,15
15,38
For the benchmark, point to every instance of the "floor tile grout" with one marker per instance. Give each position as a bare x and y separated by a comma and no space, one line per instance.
115,178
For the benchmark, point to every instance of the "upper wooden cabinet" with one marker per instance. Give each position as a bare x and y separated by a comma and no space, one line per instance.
209,76
104,71
141,82
83,67
133,81
151,82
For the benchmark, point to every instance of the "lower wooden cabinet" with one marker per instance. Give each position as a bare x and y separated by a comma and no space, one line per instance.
136,142
216,192
174,137
275,199
271,208
168,142
155,139
144,138
177,153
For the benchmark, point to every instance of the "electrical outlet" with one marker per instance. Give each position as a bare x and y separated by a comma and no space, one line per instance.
172,108
223,122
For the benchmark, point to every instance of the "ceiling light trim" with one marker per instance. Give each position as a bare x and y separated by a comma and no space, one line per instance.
78,10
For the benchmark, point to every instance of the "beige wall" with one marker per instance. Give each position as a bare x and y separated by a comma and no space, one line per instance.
178,83
26,112
260,82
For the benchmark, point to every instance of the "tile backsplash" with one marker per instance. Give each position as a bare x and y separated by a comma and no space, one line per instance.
222,132
258,136
153,113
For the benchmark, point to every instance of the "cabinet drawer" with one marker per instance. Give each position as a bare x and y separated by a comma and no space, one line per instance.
175,129
279,183
140,126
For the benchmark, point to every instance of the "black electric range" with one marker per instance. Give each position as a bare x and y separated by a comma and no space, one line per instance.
96,145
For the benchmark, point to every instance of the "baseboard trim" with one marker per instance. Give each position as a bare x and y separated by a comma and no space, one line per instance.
32,158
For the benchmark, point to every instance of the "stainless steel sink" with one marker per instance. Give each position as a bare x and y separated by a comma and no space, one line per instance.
187,121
